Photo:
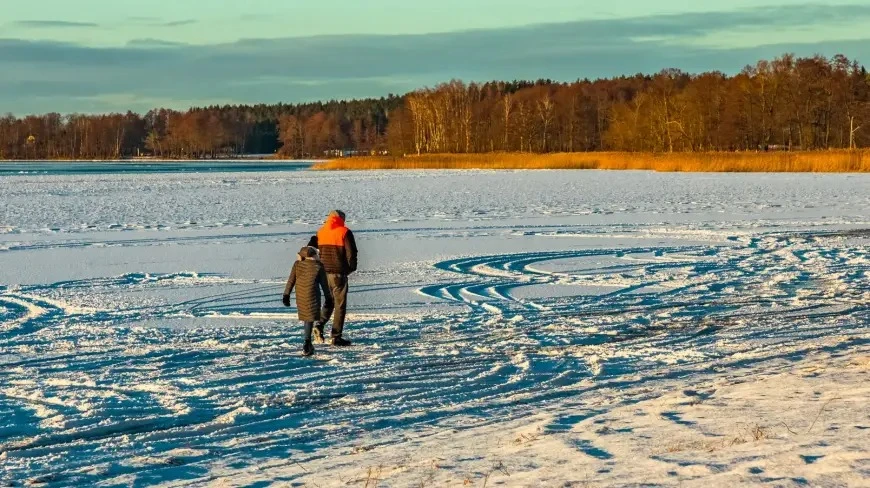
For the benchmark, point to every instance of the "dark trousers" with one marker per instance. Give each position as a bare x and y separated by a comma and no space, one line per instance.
309,326
338,286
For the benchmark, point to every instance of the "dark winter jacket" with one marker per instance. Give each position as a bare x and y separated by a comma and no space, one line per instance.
307,276
337,246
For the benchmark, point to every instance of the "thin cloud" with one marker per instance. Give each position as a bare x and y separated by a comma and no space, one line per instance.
59,24
179,23
153,43
160,22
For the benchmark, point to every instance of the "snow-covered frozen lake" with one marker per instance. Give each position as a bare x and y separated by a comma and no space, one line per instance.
142,338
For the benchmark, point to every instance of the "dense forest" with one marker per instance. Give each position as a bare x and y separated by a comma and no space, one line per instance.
788,103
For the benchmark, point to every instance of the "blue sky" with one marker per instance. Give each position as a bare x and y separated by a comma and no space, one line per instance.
114,55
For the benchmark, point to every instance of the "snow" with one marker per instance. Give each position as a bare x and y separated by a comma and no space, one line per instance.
779,425
517,328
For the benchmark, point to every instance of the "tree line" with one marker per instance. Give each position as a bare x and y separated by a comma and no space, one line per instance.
202,132
788,103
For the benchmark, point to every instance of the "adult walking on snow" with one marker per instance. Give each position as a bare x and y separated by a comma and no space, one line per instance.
338,254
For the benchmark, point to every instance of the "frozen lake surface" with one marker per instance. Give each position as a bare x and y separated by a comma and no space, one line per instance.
142,338
11,168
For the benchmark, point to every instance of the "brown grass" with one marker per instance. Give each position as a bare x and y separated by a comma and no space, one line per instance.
839,161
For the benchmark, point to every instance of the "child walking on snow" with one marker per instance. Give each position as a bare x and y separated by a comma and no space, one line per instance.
307,276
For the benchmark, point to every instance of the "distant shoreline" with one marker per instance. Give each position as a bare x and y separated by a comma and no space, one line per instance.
823,161
163,160
126,167
833,161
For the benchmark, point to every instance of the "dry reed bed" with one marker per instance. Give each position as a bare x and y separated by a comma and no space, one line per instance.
782,162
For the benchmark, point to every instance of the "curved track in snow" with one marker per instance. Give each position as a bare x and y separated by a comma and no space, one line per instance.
90,396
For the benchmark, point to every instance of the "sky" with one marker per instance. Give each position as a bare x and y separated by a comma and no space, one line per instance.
117,55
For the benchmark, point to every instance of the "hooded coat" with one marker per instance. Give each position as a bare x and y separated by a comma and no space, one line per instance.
337,246
307,276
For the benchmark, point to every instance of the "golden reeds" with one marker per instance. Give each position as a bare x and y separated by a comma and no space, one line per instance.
835,161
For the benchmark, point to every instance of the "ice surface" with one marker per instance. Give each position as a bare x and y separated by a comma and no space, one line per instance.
142,340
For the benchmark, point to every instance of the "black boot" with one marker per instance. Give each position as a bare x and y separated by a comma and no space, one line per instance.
340,342
307,349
